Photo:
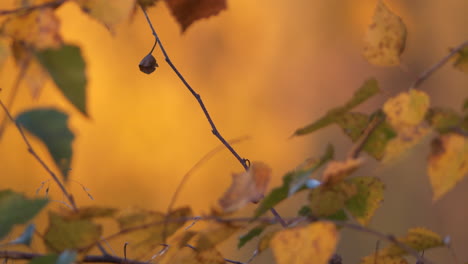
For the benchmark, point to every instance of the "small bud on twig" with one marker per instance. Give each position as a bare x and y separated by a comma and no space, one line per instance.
148,64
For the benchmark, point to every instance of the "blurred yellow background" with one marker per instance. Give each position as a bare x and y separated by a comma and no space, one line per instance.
263,69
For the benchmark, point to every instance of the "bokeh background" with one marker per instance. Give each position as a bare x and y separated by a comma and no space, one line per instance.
263,68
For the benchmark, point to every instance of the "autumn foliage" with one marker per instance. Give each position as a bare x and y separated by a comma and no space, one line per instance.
337,198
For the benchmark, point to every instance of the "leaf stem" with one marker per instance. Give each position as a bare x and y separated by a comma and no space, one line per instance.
36,156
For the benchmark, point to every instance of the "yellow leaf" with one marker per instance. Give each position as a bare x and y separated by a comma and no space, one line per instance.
39,28
312,244
213,235
407,109
406,139
372,259
246,187
265,240
385,38
108,12
367,200
405,113
448,163
418,238
336,171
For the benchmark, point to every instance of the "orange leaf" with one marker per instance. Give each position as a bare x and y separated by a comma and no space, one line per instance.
385,37
188,11
246,187
336,171
39,28
448,163
312,244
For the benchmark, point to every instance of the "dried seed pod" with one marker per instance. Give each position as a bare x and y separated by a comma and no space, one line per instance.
148,64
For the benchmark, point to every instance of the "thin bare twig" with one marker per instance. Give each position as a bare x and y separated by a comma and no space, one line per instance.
36,156
214,130
14,91
32,7
359,145
423,76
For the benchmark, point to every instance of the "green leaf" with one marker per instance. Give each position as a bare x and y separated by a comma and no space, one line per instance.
354,124
275,196
461,62
418,238
293,182
328,200
443,119
367,200
16,209
47,259
302,175
50,126
254,232
367,90
65,233
26,237
67,68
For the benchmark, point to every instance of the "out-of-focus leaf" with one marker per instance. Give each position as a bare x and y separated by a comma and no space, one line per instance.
67,68
418,238
51,127
187,255
407,109
354,124
448,163
213,235
156,229
91,212
16,209
47,259
246,187
302,174
316,242
108,12
399,147
4,50
275,196
34,75
367,90
367,200
26,237
147,3
188,11
406,112
254,232
443,119
66,257
385,38
65,234
461,61
39,28
372,259
337,171
328,200
264,242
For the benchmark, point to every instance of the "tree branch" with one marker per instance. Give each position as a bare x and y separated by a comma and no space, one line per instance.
425,75
36,156
32,7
